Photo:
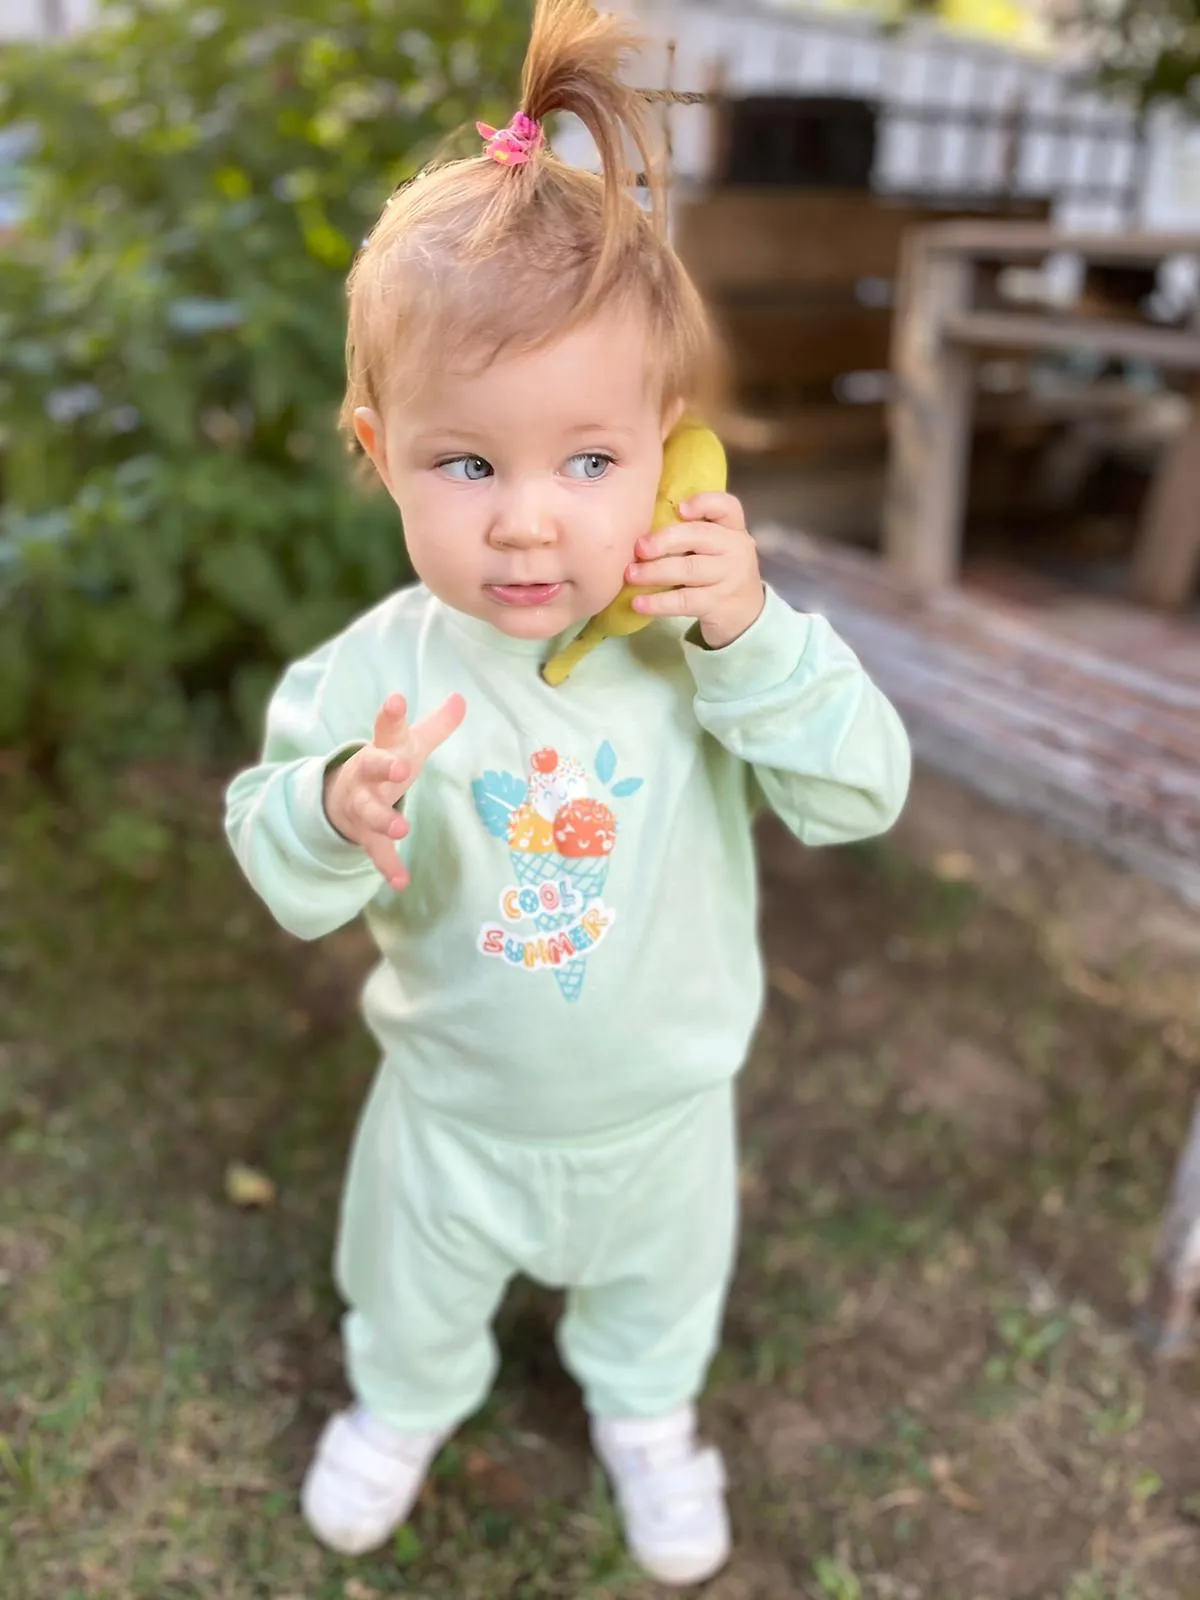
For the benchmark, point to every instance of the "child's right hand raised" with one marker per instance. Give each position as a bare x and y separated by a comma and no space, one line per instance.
361,793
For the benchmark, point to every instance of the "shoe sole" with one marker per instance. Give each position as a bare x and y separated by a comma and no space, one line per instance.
682,1574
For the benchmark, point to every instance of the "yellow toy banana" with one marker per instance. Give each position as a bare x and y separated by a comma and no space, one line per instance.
693,463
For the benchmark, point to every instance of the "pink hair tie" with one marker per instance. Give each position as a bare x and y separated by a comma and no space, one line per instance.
512,146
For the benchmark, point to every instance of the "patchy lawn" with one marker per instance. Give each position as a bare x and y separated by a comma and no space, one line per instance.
959,1125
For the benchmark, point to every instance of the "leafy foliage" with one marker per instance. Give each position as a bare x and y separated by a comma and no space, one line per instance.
177,516
1150,47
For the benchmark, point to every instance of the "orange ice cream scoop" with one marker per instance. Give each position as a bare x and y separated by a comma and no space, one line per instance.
585,828
527,831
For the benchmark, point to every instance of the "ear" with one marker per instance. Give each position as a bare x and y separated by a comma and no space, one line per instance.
671,416
369,431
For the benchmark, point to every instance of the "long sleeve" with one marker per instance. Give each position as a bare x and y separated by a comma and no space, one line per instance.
311,879
791,699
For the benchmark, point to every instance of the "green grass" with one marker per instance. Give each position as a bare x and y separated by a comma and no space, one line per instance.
953,1159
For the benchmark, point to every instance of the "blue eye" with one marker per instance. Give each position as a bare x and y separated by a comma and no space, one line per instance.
473,469
592,465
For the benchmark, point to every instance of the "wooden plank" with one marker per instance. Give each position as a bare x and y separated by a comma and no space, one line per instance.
1004,330
797,344
929,421
823,432
1103,749
1118,662
1166,562
1148,723
1031,241
740,238
1150,748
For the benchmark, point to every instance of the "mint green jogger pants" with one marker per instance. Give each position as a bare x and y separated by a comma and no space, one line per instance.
438,1216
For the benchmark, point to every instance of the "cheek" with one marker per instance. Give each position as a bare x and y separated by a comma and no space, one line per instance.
437,526
635,515
613,529
428,540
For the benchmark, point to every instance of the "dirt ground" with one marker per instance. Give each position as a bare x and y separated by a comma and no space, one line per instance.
960,1121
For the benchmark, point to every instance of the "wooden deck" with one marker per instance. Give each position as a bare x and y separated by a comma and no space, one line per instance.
1084,710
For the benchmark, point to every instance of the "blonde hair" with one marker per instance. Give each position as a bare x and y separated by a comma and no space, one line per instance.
473,258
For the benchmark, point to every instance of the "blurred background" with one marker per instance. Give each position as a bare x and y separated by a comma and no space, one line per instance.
954,250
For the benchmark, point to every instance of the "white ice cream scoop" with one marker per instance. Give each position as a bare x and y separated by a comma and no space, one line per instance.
549,792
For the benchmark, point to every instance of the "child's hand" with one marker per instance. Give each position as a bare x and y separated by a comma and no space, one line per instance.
708,567
361,794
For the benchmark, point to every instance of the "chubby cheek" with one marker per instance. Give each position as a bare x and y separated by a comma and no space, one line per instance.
634,523
437,536
442,563
608,536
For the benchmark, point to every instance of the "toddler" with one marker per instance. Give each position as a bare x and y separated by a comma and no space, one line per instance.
560,881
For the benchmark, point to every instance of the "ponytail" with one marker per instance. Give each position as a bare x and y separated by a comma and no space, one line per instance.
575,63
513,246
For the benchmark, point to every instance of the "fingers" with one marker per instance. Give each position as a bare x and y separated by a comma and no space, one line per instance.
675,603
379,828
376,816
679,572
385,770
383,853
715,506
682,539
392,731
384,766
392,722
436,728
706,538
724,612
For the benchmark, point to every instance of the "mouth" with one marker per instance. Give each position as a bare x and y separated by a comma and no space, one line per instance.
524,594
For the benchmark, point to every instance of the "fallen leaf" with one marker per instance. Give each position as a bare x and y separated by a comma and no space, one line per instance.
1091,985
246,1186
952,1493
958,1497
357,1590
954,866
899,1499
792,985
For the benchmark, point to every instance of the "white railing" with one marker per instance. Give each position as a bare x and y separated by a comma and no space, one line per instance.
946,106
43,19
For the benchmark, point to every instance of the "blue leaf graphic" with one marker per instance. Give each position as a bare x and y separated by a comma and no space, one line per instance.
627,786
606,763
497,795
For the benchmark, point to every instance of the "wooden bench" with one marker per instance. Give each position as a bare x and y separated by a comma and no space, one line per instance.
1105,748
949,316
1089,718
801,283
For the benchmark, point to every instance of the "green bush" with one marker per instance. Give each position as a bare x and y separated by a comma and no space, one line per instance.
177,514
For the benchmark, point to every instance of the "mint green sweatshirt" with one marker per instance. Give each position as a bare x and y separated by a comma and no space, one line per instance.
577,948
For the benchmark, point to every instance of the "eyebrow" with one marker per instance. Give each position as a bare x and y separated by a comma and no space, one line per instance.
468,436
449,441
602,427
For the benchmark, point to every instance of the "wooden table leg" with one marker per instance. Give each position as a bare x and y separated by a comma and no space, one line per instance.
1168,1316
1166,562
929,420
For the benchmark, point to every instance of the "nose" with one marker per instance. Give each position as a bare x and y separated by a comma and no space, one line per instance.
523,520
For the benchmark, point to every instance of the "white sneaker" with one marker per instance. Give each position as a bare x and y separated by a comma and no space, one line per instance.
364,1480
671,1495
